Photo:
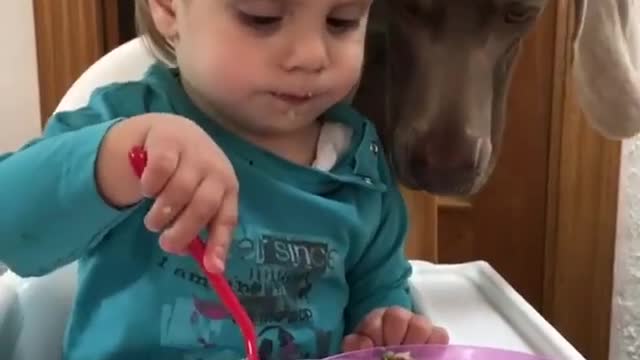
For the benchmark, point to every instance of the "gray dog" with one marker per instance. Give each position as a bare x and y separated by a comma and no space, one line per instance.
445,66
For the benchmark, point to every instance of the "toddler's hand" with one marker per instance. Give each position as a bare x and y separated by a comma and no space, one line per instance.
394,326
191,180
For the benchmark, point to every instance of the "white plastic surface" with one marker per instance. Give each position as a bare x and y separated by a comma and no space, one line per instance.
478,307
8,313
34,317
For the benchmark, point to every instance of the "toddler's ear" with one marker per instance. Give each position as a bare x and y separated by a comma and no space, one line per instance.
163,13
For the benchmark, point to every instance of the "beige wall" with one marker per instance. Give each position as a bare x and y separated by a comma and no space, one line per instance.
19,100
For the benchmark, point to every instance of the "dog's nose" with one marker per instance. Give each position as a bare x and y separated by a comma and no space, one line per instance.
446,161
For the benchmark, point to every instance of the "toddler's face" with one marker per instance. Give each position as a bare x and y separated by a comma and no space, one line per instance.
269,65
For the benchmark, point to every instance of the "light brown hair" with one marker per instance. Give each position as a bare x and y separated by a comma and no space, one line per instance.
159,46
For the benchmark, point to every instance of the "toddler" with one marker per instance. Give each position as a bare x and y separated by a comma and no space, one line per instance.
250,144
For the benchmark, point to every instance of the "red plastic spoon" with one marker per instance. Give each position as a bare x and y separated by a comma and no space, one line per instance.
138,160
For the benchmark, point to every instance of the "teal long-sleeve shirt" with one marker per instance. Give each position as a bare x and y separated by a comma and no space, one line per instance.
313,252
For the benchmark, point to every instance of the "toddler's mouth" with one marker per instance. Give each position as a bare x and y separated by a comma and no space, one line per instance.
293,98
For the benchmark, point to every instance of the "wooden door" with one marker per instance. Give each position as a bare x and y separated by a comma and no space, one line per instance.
527,222
69,38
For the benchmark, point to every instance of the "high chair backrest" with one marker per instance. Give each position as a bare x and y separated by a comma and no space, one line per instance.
127,62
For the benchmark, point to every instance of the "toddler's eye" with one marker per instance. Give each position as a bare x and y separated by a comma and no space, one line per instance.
343,25
259,21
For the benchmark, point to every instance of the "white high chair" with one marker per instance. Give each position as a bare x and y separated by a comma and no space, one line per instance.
471,300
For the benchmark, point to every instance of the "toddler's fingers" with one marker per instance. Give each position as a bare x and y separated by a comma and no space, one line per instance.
371,326
163,158
174,197
394,325
355,342
419,331
221,231
439,336
195,217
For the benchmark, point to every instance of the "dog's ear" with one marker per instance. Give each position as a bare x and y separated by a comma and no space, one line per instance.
579,11
579,14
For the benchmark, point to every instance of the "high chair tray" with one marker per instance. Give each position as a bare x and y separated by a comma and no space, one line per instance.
478,307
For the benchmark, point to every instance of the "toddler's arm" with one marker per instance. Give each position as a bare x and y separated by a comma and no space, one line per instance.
380,277
51,212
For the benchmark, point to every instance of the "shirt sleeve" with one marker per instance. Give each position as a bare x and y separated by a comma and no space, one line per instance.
380,277
51,212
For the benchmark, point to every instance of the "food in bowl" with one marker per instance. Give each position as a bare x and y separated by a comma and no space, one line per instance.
390,355
434,352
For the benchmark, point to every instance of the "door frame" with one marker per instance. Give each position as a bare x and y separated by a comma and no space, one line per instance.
582,206
582,190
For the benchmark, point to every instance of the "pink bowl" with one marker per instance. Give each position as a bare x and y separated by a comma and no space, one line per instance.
433,352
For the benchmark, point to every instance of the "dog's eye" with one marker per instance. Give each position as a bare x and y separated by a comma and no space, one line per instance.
411,8
416,8
519,14
423,11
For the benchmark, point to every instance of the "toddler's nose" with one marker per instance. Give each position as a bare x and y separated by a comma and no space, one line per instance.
308,53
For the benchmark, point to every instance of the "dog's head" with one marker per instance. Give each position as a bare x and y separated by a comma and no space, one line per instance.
448,66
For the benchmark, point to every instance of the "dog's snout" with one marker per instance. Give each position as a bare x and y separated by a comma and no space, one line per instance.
448,161
445,149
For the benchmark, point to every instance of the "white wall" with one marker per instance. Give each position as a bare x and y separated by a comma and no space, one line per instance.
625,324
625,330
19,98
